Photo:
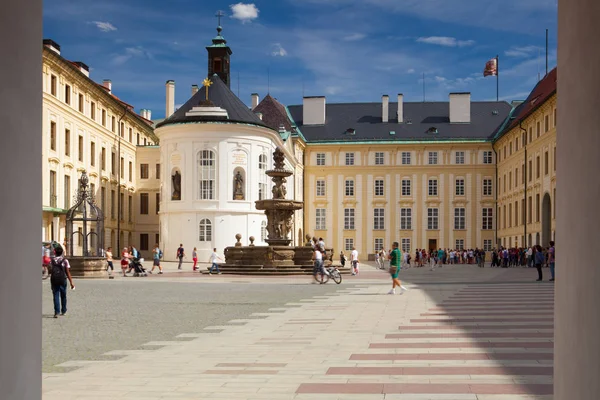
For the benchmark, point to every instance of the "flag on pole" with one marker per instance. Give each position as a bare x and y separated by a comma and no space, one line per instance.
491,68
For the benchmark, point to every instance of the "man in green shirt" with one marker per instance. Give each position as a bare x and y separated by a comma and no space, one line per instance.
395,258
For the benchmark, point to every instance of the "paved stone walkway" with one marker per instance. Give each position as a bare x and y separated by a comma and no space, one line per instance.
459,333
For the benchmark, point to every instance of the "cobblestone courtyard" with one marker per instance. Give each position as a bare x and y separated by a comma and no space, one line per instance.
459,333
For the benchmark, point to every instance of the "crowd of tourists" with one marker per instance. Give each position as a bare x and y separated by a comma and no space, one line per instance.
534,256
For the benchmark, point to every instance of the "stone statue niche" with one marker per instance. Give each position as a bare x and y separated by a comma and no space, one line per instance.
238,185
176,185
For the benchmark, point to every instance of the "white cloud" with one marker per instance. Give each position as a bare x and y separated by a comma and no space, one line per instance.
445,41
523,51
354,37
278,51
104,26
130,52
411,71
244,12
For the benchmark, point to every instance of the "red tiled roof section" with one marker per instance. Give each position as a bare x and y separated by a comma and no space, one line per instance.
540,93
274,114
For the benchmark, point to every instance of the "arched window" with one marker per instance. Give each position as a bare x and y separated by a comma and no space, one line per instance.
205,234
262,178
263,231
206,175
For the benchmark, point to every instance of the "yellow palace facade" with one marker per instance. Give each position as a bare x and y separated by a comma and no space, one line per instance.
526,149
421,174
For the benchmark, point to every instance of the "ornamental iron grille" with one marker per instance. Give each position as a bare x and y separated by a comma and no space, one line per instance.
89,220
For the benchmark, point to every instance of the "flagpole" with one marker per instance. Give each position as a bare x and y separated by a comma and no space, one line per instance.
497,78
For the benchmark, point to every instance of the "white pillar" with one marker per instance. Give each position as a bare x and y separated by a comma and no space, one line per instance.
21,213
577,318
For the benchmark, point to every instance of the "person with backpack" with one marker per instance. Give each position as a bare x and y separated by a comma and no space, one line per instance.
58,281
156,256
538,258
180,255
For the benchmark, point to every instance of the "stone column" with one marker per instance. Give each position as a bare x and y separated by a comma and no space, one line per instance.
56,222
21,211
577,322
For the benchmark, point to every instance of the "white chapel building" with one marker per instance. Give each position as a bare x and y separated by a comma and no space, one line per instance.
213,153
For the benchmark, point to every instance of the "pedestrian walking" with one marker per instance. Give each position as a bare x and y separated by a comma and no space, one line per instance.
125,256
109,260
156,256
58,282
395,258
213,260
317,258
539,260
194,258
342,259
354,261
180,255
551,259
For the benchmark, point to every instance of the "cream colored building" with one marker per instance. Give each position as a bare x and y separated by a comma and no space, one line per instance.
81,133
422,174
526,149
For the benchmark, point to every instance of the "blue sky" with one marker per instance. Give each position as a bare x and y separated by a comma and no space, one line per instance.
347,50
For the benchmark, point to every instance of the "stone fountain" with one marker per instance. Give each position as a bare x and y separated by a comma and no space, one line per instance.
278,257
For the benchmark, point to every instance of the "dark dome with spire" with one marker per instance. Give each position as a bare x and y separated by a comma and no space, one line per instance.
220,96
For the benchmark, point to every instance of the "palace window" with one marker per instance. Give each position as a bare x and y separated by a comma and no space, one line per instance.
321,159
487,187
488,218
53,135
130,176
538,129
379,189
349,187
406,158
144,203
546,123
379,158
130,208
378,244
53,85
67,199
538,207
104,118
93,111
433,187
68,94
130,135
459,244
144,173
349,158
80,148
433,158
405,245
487,157
537,167
487,244
460,187
113,123
406,187
262,184
432,218
460,157
206,175
320,187
67,142
113,208
157,171
205,230
81,103
93,154
348,244
321,220
406,219
144,239
530,170
157,203
546,164
379,218
349,218
459,219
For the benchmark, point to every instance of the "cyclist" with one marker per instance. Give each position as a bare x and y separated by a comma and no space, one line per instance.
318,264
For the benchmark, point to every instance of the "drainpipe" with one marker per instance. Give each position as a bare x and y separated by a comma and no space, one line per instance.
524,184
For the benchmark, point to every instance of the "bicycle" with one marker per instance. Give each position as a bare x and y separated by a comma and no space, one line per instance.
328,272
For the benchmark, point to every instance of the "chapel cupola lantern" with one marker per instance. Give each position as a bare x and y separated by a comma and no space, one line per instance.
219,54
85,223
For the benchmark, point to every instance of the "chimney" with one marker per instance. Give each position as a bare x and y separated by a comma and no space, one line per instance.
170,106
148,114
313,110
255,100
194,89
143,113
385,108
460,108
259,115
83,68
52,45
107,84
400,108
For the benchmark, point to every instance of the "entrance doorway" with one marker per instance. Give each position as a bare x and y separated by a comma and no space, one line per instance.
432,244
546,220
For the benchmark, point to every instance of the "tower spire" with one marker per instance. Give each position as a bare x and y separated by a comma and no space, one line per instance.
218,54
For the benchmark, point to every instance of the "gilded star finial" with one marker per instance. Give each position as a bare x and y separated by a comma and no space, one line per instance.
206,83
